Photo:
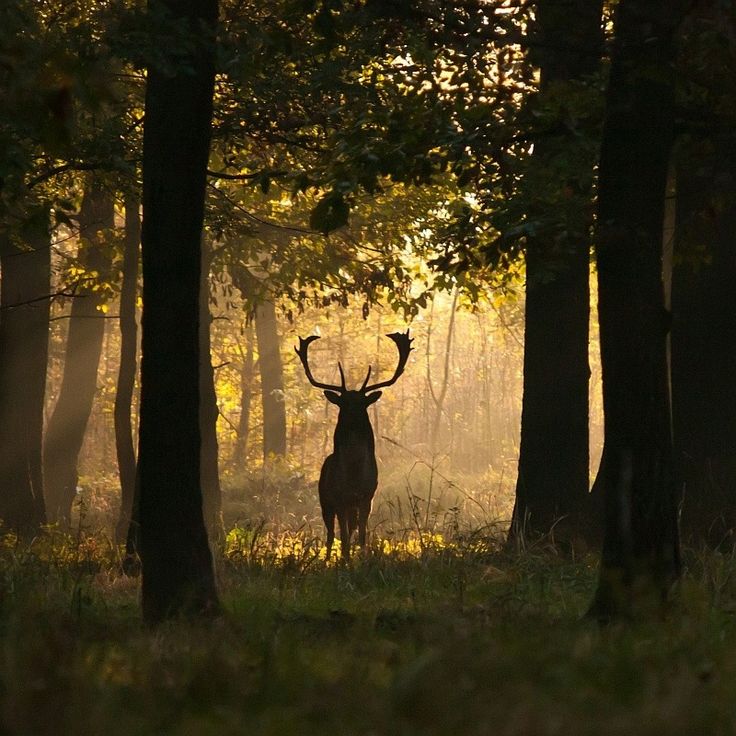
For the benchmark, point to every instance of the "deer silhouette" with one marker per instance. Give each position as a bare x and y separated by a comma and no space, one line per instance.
349,476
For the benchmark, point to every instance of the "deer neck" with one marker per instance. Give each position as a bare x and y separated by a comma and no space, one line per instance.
354,431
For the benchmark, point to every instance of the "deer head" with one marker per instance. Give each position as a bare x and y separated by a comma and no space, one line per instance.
367,394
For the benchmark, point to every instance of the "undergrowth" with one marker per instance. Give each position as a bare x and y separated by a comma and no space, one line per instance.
423,634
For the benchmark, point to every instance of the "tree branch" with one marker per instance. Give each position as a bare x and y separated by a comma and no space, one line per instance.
71,166
42,299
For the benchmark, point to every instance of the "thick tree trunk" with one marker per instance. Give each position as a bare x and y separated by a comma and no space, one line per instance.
128,366
641,556
209,466
25,261
208,414
178,575
704,349
272,382
68,423
552,484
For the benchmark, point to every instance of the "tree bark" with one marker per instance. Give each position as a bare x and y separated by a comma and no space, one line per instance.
240,451
68,423
703,348
552,483
177,568
439,398
128,366
25,261
208,414
272,382
641,555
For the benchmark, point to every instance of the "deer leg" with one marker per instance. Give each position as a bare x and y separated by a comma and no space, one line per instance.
328,516
363,512
352,520
342,520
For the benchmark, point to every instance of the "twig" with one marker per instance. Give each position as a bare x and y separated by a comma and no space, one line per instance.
85,316
245,177
70,294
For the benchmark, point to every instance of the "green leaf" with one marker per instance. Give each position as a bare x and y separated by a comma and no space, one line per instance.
330,213
324,22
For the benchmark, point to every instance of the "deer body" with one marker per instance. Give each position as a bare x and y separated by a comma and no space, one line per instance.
349,476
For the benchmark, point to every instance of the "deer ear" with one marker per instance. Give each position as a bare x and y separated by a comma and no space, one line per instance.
332,397
372,398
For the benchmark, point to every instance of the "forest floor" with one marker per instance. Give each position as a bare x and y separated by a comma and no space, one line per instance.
417,637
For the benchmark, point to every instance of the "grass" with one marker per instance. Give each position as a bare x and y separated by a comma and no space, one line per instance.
422,636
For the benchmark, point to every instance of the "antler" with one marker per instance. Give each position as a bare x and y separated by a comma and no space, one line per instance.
403,343
301,351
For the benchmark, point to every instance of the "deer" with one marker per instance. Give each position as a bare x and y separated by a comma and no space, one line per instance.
349,476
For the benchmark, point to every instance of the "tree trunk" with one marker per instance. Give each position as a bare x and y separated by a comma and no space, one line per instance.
377,429
272,382
177,569
128,366
641,556
439,399
552,484
68,423
24,333
208,414
704,349
246,384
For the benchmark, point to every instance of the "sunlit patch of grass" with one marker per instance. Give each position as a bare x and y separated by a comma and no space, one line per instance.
301,549
254,546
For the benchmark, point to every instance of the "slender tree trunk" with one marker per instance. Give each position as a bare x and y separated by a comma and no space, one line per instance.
487,426
439,399
552,483
245,283
377,428
428,388
272,382
128,366
641,556
704,348
24,330
246,385
68,423
178,574
208,413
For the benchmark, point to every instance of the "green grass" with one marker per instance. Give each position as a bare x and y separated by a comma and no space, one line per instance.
420,639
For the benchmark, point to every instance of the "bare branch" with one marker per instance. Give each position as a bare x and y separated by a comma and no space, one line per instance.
245,177
62,168
48,297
